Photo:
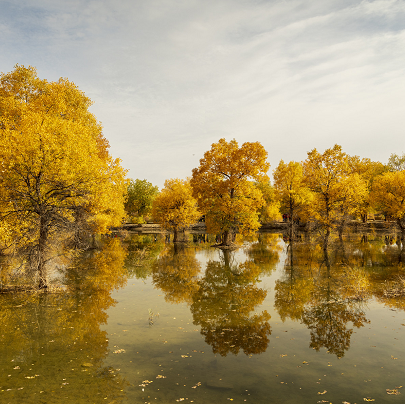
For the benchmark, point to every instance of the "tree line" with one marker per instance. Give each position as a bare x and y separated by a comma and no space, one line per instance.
232,190
59,182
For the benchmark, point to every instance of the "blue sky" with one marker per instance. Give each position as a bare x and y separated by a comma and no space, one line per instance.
170,77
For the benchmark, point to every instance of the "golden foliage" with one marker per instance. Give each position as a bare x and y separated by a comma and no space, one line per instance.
291,189
337,192
54,159
175,208
388,194
223,188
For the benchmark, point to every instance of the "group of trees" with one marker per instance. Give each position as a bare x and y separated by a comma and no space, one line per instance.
331,188
232,190
225,189
57,175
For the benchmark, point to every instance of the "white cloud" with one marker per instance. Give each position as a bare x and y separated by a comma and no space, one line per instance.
169,77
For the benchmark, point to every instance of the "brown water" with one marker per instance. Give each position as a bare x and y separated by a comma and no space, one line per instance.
269,323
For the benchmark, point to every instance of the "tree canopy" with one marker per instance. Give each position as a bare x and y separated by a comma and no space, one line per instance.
57,173
337,191
223,186
388,195
141,195
291,190
175,208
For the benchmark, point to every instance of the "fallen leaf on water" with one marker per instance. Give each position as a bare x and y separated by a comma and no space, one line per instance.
118,351
322,392
393,391
369,399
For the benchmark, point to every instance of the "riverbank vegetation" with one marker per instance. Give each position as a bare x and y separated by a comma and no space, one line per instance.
57,176
60,188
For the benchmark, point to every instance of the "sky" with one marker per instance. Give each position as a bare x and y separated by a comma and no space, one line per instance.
168,78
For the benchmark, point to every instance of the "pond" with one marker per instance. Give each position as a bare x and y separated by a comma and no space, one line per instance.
275,321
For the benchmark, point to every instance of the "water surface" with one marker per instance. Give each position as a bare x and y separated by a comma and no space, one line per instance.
274,322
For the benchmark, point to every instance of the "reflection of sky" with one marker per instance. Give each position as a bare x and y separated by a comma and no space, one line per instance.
170,78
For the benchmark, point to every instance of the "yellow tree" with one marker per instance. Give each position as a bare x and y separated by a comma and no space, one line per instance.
57,173
368,171
291,190
175,208
337,193
224,188
271,209
388,195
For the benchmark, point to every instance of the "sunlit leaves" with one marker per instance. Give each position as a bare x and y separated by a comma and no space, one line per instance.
291,189
388,194
56,170
175,208
223,188
338,192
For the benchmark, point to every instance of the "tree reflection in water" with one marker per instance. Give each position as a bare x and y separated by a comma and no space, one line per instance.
55,338
175,273
327,299
223,307
221,301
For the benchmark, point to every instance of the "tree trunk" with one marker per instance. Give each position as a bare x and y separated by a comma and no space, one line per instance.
175,234
43,238
291,224
326,240
402,228
227,237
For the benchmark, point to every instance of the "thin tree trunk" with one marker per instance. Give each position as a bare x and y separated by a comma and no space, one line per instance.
43,238
291,224
326,240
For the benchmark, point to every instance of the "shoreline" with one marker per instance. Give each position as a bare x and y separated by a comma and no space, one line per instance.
375,225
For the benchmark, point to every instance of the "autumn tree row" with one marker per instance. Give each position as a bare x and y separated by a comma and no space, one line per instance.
232,190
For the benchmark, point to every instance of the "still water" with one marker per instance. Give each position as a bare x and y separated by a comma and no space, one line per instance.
144,321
